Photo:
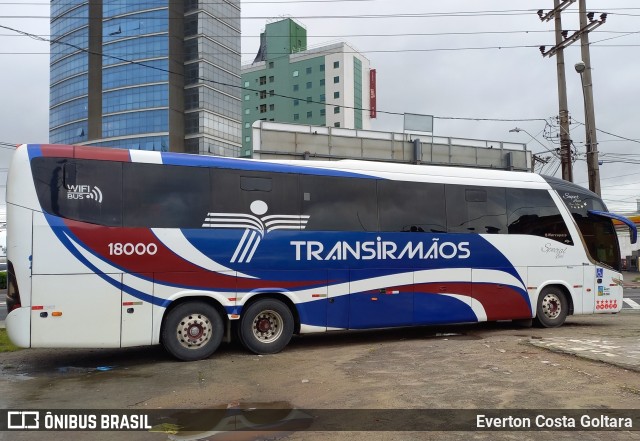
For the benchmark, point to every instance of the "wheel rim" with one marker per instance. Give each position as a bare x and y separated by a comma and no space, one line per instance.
194,331
267,326
551,306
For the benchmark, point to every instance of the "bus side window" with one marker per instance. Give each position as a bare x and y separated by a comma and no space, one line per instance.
533,212
236,191
80,189
339,204
480,210
165,196
411,207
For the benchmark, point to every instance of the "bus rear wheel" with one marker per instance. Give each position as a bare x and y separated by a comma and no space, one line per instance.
266,326
192,331
552,308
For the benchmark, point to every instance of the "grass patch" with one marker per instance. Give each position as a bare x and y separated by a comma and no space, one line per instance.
5,343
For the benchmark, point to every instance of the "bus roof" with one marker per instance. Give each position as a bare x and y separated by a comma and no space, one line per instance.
346,168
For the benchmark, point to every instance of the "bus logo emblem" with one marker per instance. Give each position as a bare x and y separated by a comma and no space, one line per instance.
255,226
84,192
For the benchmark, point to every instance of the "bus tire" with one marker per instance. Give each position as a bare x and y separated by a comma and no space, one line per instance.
552,307
192,331
266,326
236,333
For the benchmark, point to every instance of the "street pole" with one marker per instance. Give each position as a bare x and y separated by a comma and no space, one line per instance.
565,139
593,169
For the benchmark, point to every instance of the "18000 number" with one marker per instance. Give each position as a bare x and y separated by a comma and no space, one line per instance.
129,249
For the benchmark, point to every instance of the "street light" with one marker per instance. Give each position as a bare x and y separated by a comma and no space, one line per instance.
518,129
593,169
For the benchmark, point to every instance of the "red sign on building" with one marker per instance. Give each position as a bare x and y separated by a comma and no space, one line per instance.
372,93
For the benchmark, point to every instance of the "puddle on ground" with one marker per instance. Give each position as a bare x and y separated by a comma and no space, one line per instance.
456,336
15,377
236,421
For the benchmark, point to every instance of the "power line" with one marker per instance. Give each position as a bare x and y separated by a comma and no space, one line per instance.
390,51
402,34
617,36
251,89
394,51
611,134
454,14
208,3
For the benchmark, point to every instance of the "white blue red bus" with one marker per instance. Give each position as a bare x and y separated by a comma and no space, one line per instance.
116,248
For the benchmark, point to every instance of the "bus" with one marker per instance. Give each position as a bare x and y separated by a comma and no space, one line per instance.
117,248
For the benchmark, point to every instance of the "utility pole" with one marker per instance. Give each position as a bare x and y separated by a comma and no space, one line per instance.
565,138
589,112
563,40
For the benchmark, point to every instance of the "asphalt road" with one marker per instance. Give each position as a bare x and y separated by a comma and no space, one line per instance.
631,298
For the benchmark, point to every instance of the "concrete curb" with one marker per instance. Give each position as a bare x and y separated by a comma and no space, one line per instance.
623,352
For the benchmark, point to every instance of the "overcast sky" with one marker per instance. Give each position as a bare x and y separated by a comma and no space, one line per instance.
447,75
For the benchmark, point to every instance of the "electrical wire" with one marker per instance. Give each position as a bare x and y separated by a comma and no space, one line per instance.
126,61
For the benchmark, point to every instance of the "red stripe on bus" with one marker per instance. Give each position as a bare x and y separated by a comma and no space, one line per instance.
503,303
166,265
103,154
56,151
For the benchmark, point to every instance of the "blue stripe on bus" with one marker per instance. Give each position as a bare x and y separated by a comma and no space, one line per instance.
34,151
419,310
250,165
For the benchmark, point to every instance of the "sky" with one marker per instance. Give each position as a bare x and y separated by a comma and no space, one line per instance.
475,66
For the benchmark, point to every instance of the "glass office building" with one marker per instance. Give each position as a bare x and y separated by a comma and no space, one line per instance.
158,75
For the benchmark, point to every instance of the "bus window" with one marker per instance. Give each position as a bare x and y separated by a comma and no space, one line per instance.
533,212
598,232
79,189
162,196
339,204
234,191
411,207
479,210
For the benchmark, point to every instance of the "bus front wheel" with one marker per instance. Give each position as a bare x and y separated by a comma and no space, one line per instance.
266,326
192,331
552,308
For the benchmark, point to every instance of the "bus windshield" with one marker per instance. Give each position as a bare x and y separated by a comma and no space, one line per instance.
598,232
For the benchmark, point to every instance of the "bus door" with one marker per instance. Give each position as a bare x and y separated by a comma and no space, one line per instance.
593,288
338,299
71,306
380,298
602,292
136,314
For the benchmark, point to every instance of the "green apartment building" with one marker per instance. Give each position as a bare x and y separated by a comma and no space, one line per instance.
325,86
